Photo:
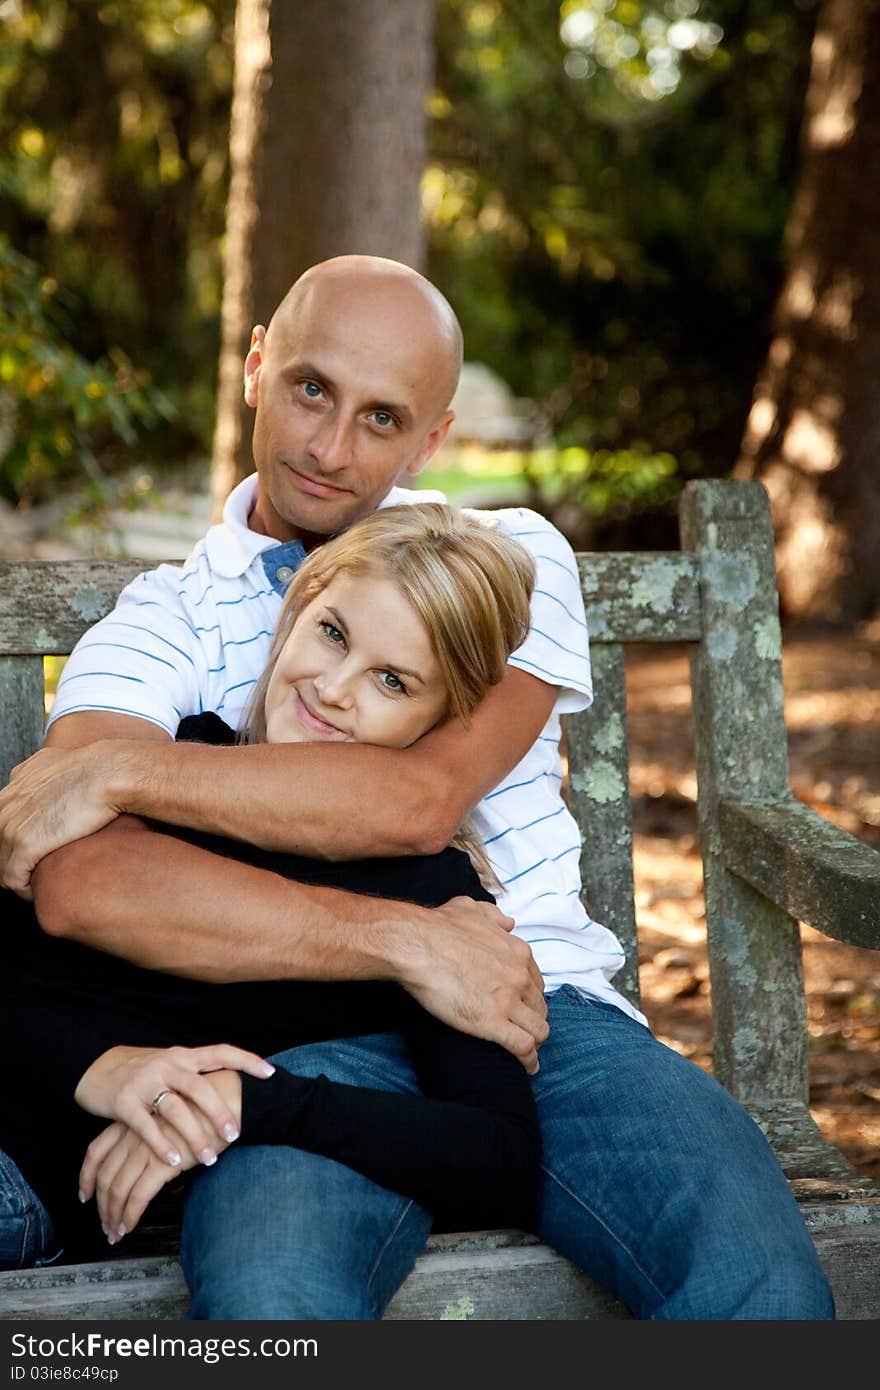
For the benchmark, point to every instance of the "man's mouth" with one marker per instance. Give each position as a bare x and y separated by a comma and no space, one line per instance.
310,720
315,487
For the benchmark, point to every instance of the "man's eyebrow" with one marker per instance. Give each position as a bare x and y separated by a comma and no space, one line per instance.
402,412
308,369
339,622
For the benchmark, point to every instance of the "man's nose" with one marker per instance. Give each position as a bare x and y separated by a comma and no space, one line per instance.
330,445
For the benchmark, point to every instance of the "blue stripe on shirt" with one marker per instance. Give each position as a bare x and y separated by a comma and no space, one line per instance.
572,573
570,651
513,785
556,677
548,859
240,685
159,638
117,709
123,647
563,941
545,593
116,675
500,836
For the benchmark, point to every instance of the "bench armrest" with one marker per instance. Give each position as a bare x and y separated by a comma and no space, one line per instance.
806,865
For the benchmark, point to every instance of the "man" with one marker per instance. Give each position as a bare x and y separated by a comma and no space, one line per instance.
655,1181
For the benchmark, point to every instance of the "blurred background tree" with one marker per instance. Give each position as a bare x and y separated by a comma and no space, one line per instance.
114,130
813,435
328,144
605,196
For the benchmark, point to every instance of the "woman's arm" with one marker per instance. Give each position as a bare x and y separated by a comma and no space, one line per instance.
472,1162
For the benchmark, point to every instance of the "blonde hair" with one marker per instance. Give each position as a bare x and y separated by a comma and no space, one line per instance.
469,582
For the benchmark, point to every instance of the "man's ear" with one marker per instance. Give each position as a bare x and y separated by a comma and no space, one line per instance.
252,364
432,443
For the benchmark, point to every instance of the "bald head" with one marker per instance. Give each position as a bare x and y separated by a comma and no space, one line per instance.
351,384
392,303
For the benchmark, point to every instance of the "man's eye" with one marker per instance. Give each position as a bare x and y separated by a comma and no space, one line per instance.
383,418
330,632
393,683
312,390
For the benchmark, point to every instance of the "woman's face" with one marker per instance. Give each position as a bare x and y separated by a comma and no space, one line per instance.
358,667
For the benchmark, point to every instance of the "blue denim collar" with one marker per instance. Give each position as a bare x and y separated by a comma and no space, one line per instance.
290,555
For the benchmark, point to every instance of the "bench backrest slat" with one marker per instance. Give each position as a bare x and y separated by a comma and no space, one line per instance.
46,605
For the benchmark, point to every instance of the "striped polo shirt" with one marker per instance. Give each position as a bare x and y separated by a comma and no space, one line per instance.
187,638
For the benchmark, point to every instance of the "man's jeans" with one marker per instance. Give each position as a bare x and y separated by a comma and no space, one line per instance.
655,1181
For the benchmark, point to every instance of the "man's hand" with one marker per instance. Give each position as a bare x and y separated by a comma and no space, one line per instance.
468,970
57,796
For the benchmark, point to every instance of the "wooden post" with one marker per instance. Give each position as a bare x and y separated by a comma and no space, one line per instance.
600,802
21,700
741,755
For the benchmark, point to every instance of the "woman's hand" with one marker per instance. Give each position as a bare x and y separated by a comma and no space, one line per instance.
123,1171
205,1116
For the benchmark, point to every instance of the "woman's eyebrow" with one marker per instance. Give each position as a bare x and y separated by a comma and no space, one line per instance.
402,671
338,620
394,666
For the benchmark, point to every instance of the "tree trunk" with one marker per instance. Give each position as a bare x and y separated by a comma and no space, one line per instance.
813,435
327,146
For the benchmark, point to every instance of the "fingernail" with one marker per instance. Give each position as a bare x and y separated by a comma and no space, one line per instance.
111,1239
172,1158
122,1229
207,1156
82,1196
230,1132
268,1069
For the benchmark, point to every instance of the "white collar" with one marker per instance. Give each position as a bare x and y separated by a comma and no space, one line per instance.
232,546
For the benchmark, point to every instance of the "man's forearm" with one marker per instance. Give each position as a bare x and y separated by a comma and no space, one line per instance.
297,798
168,905
163,903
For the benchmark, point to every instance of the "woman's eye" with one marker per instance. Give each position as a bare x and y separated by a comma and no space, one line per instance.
330,632
392,682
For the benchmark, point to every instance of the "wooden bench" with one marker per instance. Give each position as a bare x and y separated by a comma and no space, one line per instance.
769,862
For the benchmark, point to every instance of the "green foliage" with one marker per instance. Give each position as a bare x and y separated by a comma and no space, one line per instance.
114,121
607,191
57,409
609,187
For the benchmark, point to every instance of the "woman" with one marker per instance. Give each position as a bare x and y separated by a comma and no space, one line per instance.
400,623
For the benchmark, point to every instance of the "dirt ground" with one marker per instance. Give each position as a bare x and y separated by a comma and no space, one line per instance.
832,689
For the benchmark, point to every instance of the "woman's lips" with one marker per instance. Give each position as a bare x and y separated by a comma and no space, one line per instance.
310,720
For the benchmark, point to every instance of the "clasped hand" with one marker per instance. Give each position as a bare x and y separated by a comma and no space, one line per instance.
200,1115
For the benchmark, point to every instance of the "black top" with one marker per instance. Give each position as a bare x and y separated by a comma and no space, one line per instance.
469,1152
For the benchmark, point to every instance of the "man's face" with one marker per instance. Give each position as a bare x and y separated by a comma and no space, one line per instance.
346,395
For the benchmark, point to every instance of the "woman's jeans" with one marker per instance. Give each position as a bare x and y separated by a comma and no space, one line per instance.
655,1182
26,1235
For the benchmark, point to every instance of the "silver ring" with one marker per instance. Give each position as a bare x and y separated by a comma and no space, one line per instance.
158,1100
